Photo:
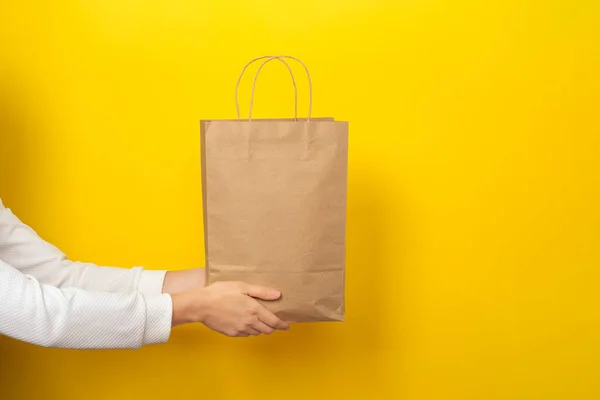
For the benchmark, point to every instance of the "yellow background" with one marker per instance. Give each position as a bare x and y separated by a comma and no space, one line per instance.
473,211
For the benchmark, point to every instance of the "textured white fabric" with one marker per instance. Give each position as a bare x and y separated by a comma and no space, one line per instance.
47,300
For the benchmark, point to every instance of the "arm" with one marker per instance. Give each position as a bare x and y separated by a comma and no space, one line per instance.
73,318
23,249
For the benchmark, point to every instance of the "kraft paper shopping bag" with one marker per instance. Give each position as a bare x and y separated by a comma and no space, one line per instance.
274,194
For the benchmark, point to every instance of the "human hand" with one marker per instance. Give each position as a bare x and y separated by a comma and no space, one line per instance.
228,308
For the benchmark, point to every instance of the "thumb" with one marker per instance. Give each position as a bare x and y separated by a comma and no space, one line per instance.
261,292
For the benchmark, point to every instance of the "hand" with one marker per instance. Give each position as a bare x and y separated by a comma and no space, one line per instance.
228,308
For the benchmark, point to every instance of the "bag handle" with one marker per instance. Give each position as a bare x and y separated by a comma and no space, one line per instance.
271,58
237,86
309,85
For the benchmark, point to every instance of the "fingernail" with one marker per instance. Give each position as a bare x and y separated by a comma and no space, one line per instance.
276,293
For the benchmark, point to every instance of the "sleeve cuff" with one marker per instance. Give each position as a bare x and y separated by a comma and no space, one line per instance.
151,282
159,312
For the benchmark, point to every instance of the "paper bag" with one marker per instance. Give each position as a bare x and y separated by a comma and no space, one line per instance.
274,197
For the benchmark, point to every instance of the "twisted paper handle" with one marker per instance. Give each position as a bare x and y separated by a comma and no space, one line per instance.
271,58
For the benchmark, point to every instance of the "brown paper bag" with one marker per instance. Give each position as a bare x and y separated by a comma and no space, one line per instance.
274,194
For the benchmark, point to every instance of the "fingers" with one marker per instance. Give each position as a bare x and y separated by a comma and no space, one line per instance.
271,320
252,331
260,292
258,327
263,328
261,322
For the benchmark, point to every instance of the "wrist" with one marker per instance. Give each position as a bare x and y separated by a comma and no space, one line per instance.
182,310
188,307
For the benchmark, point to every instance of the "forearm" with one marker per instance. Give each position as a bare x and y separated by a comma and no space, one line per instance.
72,318
184,280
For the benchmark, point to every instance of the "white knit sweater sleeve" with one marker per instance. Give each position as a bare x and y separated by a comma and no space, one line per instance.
73,318
23,249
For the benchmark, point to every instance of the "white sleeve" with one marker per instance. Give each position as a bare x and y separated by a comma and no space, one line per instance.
23,249
73,318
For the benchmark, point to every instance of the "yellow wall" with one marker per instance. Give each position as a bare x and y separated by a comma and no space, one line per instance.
474,226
